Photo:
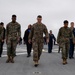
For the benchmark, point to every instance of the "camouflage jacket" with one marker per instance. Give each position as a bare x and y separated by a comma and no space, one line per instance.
64,35
1,32
37,31
13,30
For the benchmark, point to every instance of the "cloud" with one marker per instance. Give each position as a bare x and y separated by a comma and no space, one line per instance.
54,12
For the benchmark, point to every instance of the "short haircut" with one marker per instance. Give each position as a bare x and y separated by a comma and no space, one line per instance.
72,22
50,30
13,15
29,25
39,16
66,22
1,23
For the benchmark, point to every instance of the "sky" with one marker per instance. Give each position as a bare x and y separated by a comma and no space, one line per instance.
54,12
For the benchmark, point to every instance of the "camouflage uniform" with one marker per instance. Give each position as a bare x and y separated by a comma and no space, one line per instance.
63,40
13,32
36,35
1,35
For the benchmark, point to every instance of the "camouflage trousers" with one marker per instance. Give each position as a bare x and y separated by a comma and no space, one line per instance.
65,48
11,47
37,50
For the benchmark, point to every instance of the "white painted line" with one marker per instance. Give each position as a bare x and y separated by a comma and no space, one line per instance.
17,50
55,49
22,52
16,54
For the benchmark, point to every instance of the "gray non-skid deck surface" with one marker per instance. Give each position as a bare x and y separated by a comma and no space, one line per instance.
50,64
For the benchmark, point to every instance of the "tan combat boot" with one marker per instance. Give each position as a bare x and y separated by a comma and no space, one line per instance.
36,63
12,59
64,61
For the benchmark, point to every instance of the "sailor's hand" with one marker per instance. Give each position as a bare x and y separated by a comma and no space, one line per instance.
18,39
29,41
47,41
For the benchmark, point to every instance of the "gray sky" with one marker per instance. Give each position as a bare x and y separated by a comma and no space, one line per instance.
54,12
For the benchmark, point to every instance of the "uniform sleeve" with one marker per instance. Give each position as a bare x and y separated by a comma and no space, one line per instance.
58,37
54,38
31,33
46,32
2,34
25,35
72,35
19,31
6,33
